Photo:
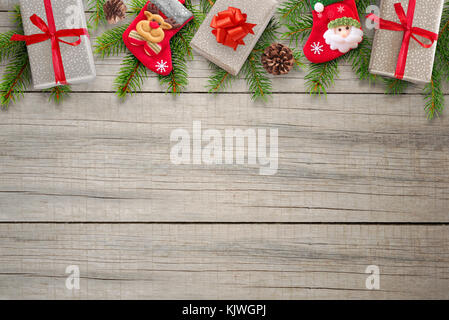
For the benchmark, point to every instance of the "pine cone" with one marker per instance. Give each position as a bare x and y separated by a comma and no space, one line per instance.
278,59
114,11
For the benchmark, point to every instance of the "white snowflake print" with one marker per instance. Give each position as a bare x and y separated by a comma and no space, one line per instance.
161,66
340,9
320,15
317,48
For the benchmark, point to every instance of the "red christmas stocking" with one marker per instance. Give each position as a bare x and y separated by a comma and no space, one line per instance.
148,36
336,30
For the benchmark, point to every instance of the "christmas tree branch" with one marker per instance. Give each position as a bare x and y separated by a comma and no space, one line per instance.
16,78
111,42
59,93
433,95
97,16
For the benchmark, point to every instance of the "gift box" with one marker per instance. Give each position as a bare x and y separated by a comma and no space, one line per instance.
231,30
406,55
58,43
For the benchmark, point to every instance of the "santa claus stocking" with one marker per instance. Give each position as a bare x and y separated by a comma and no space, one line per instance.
336,30
148,36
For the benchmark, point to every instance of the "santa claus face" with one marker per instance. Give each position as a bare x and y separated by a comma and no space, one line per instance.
343,38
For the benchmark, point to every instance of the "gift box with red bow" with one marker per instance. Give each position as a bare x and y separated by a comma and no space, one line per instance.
57,41
231,30
406,38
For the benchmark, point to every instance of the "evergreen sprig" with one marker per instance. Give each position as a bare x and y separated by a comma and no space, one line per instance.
133,73
16,78
257,79
130,77
110,43
97,16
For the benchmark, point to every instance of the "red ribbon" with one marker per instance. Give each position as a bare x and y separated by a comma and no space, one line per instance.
55,36
230,27
410,32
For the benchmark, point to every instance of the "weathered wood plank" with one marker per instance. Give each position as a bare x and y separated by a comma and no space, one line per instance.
348,158
223,261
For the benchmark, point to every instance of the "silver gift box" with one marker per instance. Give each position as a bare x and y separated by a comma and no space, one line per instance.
387,43
205,43
78,61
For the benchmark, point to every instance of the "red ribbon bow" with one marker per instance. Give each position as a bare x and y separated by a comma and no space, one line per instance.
230,27
55,36
410,32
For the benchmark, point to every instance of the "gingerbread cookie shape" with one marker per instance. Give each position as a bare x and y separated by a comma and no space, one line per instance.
148,36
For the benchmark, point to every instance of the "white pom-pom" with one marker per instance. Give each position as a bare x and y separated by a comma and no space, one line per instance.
319,7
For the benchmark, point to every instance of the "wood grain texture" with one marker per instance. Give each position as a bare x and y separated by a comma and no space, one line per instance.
223,261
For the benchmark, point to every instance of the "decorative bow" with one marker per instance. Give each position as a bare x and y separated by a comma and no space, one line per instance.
410,32
55,36
230,27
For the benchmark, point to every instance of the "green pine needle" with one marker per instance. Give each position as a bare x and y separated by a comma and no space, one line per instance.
97,16
111,43
9,48
131,76
298,30
360,60
16,78
394,86
292,10
433,95
59,93
321,76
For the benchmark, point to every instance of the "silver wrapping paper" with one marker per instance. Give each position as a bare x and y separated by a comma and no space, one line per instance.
173,9
387,44
258,11
78,61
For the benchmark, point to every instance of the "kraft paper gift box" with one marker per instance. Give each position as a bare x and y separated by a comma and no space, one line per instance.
387,43
258,12
77,61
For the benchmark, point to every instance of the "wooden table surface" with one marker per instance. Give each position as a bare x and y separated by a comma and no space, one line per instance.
363,180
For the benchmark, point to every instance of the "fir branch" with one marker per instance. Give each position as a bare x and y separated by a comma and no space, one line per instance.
257,79
206,5
394,86
16,18
97,16
16,78
9,48
59,93
298,30
111,42
299,57
433,95
177,80
360,60
130,77
321,76
136,6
